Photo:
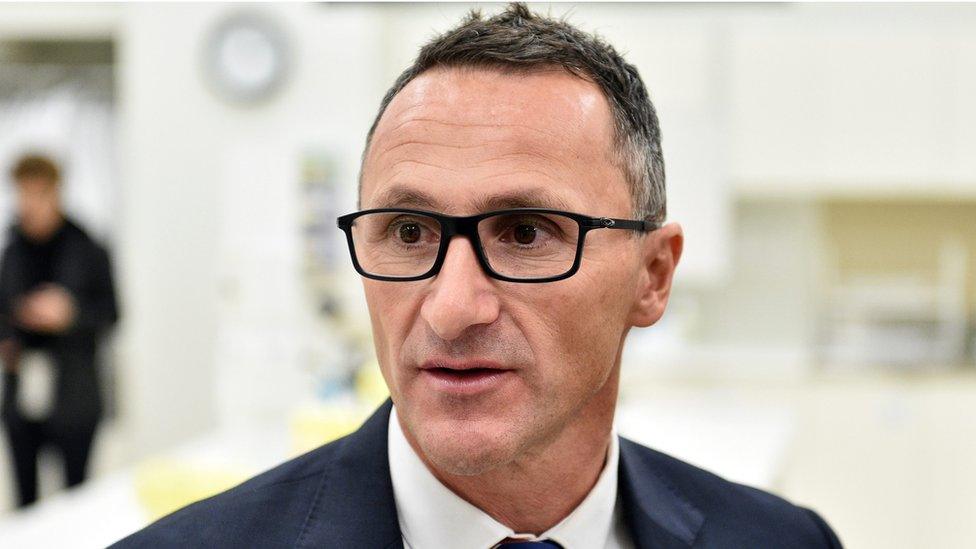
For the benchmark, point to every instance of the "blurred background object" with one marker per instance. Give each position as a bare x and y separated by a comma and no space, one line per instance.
820,158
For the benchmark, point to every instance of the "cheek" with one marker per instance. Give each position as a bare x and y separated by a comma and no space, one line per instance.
574,328
391,316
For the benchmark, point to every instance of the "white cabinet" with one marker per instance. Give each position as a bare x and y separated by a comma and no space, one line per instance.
855,101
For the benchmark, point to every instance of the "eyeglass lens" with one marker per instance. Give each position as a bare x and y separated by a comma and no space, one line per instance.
516,244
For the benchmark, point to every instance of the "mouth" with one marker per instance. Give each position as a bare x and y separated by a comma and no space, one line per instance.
464,378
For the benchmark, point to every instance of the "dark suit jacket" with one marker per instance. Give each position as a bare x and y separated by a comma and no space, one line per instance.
340,495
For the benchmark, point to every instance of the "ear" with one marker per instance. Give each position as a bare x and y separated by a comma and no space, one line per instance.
660,252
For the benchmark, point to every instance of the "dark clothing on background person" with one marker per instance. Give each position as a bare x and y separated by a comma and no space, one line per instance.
72,260
27,437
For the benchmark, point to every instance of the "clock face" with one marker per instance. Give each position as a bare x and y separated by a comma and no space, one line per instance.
246,58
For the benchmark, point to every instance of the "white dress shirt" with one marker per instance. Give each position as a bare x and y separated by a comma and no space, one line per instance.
431,516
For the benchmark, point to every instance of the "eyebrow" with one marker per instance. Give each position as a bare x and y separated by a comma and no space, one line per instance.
404,197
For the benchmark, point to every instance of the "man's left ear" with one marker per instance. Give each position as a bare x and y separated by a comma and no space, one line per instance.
660,252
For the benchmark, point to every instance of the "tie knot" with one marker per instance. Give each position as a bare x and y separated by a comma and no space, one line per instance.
525,544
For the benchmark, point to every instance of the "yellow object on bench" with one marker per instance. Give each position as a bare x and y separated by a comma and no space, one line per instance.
165,485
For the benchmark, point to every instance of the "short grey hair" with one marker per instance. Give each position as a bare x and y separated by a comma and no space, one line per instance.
518,40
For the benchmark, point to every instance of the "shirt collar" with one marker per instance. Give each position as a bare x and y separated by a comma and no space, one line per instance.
431,515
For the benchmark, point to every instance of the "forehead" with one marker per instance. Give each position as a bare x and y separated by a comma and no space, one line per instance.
464,139
36,184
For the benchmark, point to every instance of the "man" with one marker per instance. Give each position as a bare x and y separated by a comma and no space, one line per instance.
56,299
500,299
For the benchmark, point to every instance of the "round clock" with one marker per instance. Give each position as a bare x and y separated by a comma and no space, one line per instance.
246,58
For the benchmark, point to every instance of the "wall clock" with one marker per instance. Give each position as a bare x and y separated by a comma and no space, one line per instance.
246,58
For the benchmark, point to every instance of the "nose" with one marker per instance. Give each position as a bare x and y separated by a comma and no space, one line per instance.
462,295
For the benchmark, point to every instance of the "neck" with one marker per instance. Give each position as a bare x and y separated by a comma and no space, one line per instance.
538,489
44,231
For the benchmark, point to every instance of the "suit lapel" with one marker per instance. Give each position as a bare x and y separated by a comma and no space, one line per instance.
354,505
658,515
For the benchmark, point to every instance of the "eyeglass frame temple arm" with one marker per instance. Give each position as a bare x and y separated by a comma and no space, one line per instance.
627,224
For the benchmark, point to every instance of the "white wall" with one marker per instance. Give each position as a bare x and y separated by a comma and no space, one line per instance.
169,136
47,21
214,265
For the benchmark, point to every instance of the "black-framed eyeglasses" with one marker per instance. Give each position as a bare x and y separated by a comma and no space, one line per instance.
514,245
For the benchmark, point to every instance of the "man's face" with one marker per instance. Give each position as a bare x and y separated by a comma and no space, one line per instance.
484,371
38,206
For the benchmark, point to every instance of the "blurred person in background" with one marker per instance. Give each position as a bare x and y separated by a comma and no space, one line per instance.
57,298
529,140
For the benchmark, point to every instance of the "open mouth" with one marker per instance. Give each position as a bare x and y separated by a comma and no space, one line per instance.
465,380
469,374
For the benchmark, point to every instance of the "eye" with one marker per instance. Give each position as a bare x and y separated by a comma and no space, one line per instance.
524,233
409,233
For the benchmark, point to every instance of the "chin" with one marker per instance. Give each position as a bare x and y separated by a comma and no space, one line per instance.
468,448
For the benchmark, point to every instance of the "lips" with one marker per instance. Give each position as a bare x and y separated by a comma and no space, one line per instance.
464,378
